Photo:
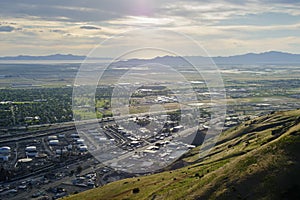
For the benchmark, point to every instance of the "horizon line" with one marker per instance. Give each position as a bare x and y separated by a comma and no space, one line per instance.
218,56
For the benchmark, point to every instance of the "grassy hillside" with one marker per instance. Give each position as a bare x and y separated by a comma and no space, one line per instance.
260,159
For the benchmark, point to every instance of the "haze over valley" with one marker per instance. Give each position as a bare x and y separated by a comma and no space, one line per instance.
151,99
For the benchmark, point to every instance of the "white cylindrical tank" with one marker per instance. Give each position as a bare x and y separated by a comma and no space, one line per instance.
83,148
30,148
5,149
53,142
31,151
52,137
80,141
74,135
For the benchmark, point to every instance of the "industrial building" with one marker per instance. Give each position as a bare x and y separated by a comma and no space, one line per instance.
31,151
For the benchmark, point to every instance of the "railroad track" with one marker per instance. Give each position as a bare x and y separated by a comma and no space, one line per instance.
46,132
34,134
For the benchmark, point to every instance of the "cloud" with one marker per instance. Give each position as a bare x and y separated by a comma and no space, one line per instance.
89,27
53,23
78,10
212,12
7,28
201,12
57,31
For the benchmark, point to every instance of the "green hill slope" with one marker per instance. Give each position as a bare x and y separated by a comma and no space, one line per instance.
260,159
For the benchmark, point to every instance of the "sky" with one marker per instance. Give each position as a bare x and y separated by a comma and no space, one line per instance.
222,28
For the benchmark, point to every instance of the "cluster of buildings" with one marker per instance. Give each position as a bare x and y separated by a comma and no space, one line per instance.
63,144
165,99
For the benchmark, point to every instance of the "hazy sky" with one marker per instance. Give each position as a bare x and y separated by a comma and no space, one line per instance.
36,27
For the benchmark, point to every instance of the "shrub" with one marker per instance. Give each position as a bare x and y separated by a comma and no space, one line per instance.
135,190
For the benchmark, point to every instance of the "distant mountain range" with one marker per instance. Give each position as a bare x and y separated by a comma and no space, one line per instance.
271,57
266,57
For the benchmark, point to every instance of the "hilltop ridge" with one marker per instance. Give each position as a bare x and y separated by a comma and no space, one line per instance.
259,159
